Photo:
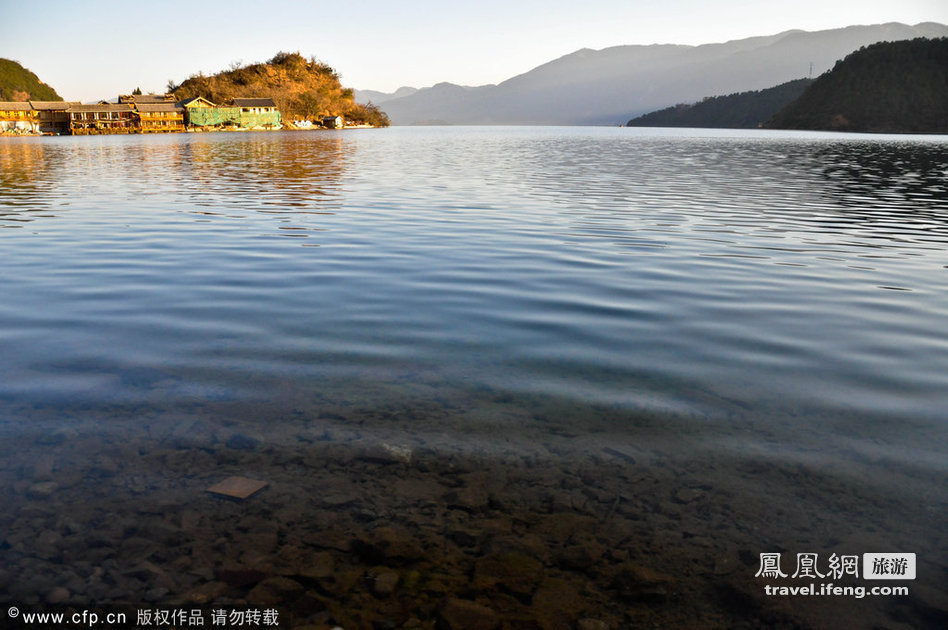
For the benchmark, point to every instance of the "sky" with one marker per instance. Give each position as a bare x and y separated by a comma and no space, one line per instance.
92,50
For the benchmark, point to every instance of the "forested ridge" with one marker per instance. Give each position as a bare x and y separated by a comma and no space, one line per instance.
886,87
742,110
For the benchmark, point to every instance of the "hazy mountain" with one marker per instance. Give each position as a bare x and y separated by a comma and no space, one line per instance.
373,96
744,110
610,86
886,87
446,103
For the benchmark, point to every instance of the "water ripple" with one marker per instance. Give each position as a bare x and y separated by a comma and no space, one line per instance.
766,275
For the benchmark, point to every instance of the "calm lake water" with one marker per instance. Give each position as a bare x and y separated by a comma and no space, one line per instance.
777,296
779,276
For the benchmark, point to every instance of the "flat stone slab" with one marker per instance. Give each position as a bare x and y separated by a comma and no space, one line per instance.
239,488
620,453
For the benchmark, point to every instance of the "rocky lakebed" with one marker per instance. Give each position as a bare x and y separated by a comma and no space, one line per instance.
381,529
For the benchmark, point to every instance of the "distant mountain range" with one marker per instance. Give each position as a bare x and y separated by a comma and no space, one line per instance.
610,86
373,96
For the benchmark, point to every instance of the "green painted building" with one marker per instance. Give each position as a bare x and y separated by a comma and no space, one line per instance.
241,113
258,113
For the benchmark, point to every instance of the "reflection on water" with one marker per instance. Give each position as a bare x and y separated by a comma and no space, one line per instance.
284,179
27,172
735,305
910,176
207,170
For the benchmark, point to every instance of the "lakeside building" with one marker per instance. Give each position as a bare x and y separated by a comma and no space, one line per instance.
258,113
31,117
52,116
16,117
203,115
138,113
103,118
164,117
241,113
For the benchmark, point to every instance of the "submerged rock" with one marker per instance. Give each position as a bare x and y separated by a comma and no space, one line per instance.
389,546
385,583
42,490
556,603
58,595
275,591
206,593
641,584
512,572
462,614
241,442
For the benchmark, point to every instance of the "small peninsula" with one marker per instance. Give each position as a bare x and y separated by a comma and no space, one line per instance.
301,88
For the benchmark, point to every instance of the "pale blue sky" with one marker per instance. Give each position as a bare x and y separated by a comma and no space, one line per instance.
89,50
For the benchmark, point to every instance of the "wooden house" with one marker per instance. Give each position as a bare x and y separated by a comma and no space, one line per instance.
103,118
16,117
51,117
161,117
258,113
255,105
241,113
201,114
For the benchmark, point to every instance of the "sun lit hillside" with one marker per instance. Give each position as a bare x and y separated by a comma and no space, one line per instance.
19,84
301,88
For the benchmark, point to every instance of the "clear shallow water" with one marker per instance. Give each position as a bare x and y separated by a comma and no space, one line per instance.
773,292
708,345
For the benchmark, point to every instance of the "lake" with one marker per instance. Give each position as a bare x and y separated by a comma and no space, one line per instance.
729,342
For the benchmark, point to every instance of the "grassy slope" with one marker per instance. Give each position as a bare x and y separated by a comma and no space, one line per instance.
19,84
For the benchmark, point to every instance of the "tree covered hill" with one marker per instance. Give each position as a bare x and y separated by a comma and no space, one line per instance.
897,87
19,84
301,88
742,110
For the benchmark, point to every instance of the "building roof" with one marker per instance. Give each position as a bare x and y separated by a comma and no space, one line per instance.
159,107
254,102
15,106
195,99
48,105
146,98
102,107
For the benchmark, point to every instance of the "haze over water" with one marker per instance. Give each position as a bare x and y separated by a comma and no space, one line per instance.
738,295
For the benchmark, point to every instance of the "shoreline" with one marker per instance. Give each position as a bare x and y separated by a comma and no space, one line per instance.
164,133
